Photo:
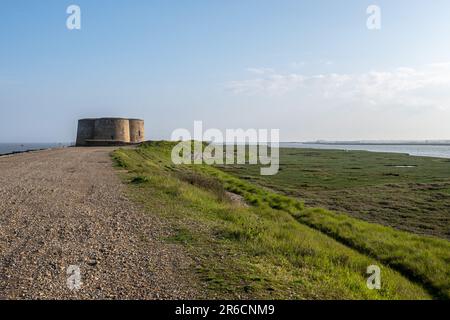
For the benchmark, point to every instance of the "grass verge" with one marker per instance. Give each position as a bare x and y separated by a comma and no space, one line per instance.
423,259
260,251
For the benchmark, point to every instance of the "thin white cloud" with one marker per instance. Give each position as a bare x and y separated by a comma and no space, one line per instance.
326,62
297,64
260,70
272,84
413,88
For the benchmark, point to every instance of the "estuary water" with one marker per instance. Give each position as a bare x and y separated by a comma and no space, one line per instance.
438,151
21,147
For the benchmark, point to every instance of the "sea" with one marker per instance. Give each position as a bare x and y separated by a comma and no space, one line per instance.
6,148
438,151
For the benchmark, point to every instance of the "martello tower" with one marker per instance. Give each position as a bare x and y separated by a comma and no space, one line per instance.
110,131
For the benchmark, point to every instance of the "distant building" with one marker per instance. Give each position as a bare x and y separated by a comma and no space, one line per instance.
110,132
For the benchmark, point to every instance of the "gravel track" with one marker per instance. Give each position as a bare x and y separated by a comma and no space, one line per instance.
68,207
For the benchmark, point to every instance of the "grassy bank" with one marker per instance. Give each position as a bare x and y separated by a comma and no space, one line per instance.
405,192
261,251
424,259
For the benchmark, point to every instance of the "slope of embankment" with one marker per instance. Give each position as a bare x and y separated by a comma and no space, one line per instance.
275,248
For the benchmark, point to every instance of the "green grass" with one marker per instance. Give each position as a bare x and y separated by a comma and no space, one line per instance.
426,260
365,185
262,251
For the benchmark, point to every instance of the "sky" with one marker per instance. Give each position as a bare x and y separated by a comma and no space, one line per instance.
309,68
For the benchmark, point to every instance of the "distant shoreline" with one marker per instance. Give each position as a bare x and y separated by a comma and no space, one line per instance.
413,149
377,143
26,151
30,148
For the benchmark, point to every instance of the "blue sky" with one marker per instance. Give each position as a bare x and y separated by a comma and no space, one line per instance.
309,68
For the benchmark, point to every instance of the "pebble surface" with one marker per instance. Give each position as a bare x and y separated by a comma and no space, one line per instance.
67,207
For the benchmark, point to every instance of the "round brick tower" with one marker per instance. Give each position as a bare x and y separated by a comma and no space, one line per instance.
109,131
